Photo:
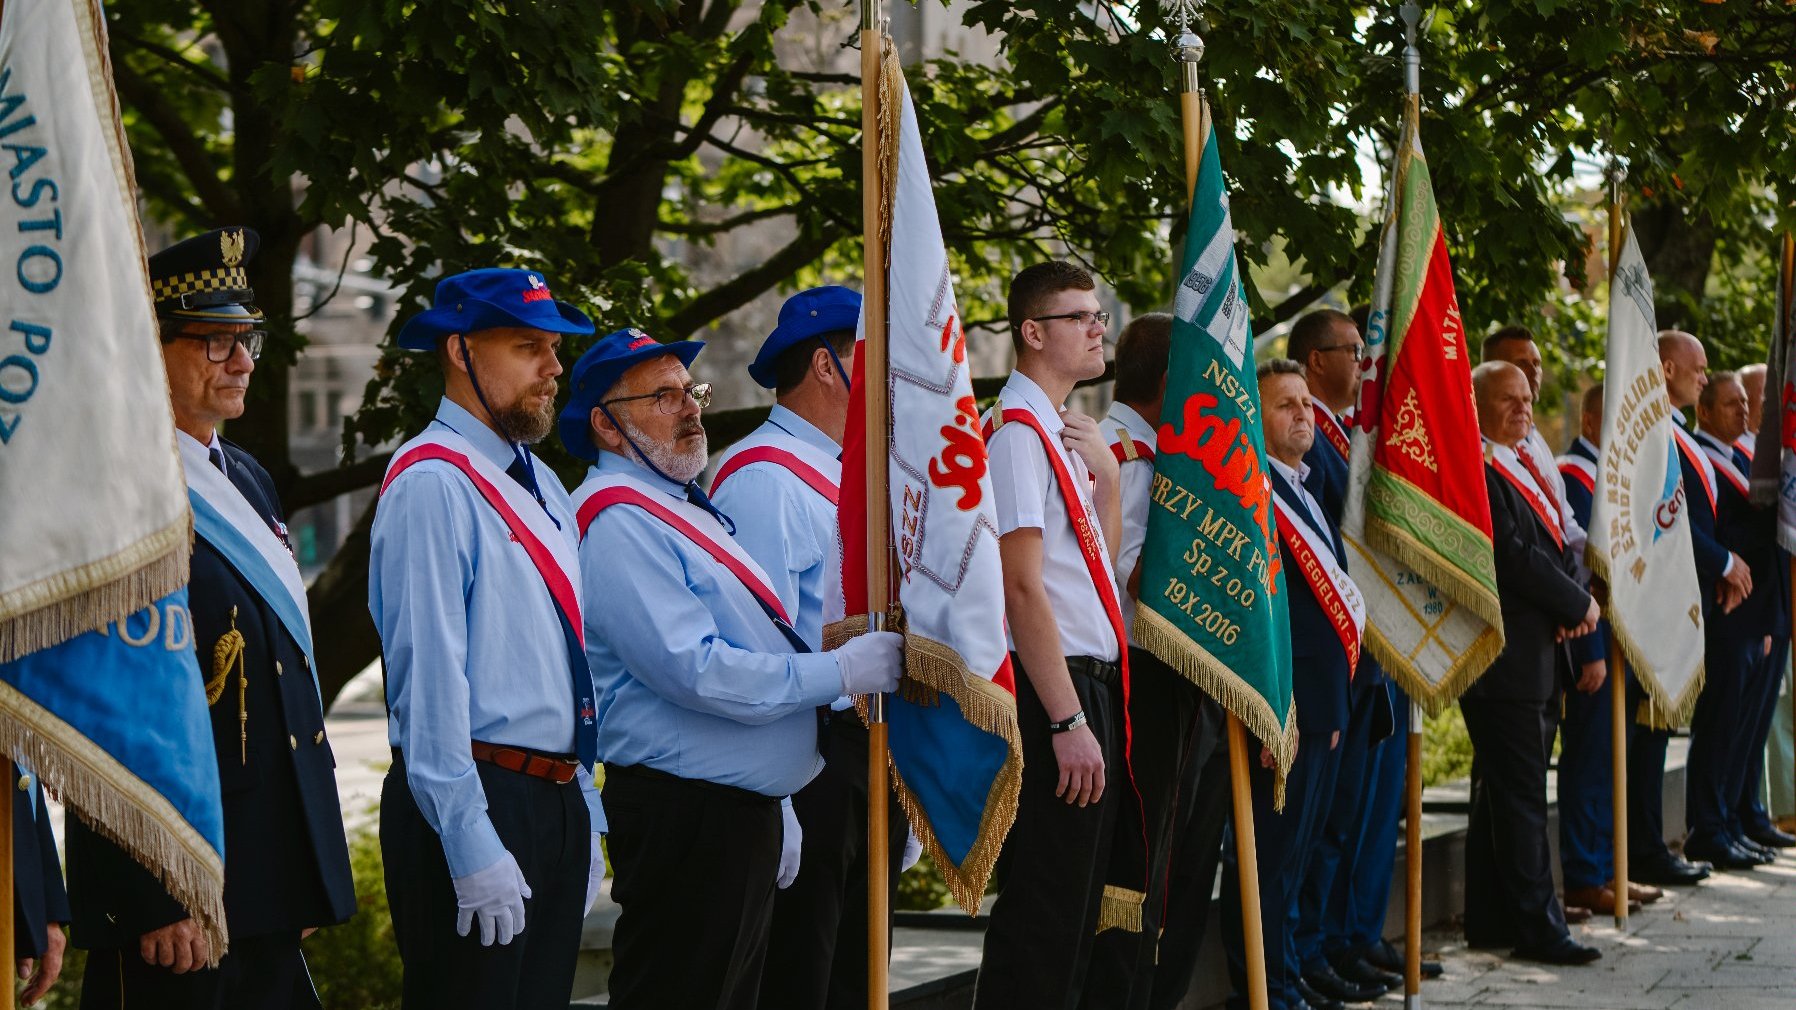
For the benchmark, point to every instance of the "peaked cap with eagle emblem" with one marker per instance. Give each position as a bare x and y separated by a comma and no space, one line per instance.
204,278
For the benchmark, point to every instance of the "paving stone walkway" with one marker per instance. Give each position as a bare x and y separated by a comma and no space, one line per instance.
1727,944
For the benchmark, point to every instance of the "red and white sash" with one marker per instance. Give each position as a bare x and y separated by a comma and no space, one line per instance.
530,526
1579,468
1091,544
1315,558
602,491
819,471
1700,460
1331,429
1723,462
1127,448
1509,466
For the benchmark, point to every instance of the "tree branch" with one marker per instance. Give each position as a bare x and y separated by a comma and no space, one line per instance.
317,488
188,150
746,286
702,228
206,74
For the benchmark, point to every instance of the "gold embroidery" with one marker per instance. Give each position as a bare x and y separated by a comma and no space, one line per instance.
1408,436
230,246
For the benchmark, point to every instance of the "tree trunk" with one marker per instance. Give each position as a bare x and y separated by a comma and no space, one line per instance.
338,599
1679,250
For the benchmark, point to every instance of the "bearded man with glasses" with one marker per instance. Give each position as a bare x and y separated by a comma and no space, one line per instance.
286,862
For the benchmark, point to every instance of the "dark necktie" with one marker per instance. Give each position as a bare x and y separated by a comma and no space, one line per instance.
216,456
586,727
697,496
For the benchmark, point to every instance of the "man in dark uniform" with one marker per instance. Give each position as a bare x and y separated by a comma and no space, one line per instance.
286,861
1348,881
1723,581
1511,712
1586,730
40,905
1731,713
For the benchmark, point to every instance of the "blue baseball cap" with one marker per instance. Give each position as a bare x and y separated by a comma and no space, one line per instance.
599,369
487,298
814,312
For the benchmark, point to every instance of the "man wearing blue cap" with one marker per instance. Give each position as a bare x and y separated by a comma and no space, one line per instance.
286,861
489,817
709,699
780,484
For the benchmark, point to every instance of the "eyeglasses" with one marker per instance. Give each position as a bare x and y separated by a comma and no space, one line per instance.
1358,350
1082,318
220,346
671,400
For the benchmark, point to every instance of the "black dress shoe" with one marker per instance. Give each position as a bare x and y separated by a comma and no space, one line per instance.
1721,852
1668,870
1771,838
1386,957
1765,854
1564,950
1316,1000
1354,968
1324,980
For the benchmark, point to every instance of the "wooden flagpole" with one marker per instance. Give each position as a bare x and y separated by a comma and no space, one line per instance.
1786,308
1618,688
873,364
1412,774
1194,115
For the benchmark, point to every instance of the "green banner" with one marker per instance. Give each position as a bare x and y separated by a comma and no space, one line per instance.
1213,600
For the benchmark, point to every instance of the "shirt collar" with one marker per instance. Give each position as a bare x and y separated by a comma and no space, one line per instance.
802,429
195,454
1710,440
1588,445
1022,391
485,440
1295,474
630,466
1132,422
1678,416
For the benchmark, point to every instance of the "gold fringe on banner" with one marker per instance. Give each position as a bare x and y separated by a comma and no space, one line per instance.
121,807
1214,677
1659,710
1120,908
53,610
936,667
891,114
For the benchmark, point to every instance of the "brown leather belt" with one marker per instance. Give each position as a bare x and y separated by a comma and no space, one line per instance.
554,767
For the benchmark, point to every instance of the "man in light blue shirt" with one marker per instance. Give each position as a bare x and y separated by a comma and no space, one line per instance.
708,699
780,485
489,813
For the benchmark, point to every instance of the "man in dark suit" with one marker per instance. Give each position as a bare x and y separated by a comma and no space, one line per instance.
1348,881
40,905
1723,580
286,861
1322,657
1510,713
1586,783
1730,723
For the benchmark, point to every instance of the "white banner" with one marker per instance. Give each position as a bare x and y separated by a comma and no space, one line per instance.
94,522
1639,524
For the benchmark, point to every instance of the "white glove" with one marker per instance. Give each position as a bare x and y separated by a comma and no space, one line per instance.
595,875
791,841
495,896
871,663
913,851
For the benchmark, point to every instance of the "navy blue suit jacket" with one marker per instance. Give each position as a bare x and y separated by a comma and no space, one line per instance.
1710,555
1595,646
1751,532
38,895
1327,483
1319,671
286,859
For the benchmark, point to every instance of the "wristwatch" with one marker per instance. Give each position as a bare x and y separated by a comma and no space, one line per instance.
1068,724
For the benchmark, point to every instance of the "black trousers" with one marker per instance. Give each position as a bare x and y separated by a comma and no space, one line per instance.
1510,899
1721,732
260,973
817,946
1191,885
1166,716
694,866
1051,875
1646,785
1750,813
547,829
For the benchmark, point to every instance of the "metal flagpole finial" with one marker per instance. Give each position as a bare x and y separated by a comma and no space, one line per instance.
1412,57
1188,49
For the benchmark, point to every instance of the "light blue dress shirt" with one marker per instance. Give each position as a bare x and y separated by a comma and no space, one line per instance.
782,523
470,637
694,678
